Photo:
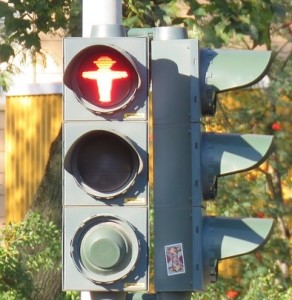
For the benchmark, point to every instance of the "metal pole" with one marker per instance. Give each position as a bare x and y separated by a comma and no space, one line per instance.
100,12
103,296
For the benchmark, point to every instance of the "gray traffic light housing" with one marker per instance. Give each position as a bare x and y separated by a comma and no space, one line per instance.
127,55
105,164
187,161
117,233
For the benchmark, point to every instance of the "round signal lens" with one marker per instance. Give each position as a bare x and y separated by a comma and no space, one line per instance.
103,78
105,164
105,248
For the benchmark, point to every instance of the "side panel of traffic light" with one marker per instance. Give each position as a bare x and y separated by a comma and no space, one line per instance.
187,162
173,66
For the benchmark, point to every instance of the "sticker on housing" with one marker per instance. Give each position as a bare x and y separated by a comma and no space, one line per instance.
174,259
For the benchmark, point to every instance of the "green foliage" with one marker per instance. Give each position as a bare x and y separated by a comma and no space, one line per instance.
69,296
150,13
260,287
5,78
6,52
25,249
264,287
241,24
24,20
21,23
238,22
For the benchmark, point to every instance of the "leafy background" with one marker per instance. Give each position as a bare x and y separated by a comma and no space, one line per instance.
262,192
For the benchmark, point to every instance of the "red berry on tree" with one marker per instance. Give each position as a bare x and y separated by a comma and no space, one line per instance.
276,126
232,294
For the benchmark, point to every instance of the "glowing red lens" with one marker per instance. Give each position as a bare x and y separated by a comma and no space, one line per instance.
106,78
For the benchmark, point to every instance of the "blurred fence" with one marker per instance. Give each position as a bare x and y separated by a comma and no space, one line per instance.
32,123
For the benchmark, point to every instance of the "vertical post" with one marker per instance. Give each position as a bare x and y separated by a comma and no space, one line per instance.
102,296
100,12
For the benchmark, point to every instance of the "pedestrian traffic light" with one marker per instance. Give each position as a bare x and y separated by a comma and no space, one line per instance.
103,78
188,161
105,164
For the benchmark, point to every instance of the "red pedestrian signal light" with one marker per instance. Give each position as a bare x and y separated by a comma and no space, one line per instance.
105,165
103,78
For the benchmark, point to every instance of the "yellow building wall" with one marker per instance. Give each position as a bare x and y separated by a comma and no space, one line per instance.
32,123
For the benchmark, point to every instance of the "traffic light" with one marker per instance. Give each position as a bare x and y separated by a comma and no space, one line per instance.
105,164
188,161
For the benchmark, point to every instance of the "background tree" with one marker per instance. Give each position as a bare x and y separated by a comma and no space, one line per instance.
265,192
21,22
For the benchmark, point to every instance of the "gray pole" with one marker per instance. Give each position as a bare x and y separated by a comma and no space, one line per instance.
100,12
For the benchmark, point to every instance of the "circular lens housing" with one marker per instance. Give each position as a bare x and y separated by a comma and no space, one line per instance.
105,248
103,78
105,164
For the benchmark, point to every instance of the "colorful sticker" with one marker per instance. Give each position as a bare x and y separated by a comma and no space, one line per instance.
175,259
